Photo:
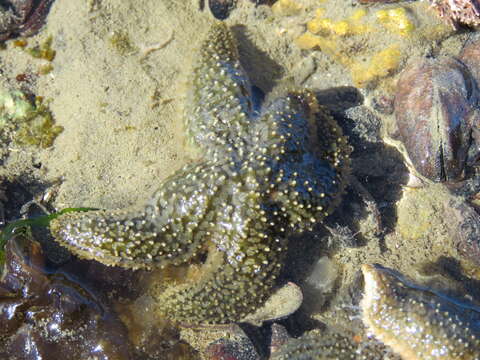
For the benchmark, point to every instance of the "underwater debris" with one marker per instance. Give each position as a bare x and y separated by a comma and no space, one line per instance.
458,12
43,50
221,9
121,43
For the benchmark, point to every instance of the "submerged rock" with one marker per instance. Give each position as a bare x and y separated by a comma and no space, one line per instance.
47,316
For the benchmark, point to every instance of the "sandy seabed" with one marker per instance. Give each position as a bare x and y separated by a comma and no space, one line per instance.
118,87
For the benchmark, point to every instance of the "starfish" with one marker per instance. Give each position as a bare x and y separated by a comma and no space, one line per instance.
331,346
416,322
265,175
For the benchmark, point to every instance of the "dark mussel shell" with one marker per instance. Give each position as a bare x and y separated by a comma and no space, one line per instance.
436,106
470,56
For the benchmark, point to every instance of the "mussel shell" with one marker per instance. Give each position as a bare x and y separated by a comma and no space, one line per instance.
470,56
434,102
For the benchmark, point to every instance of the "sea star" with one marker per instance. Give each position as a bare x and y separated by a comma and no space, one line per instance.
265,176
416,322
331,346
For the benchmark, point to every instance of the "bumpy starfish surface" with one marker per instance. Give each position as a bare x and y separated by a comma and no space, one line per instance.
330,346
418,323
265,175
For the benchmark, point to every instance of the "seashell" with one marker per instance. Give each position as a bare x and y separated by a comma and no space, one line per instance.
436,106
470,56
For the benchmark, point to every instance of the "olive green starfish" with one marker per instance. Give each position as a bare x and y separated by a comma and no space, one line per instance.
416,322
331,346
265,175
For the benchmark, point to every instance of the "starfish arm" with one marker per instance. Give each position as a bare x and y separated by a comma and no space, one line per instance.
168,230
330,345
220,100
416,322
226,292
306,151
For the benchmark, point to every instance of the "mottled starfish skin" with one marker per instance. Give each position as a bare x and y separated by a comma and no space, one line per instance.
265,176
331,346
417,323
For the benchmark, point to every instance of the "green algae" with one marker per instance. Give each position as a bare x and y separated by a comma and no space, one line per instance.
45,69
25,225
28,122
43,50
121,42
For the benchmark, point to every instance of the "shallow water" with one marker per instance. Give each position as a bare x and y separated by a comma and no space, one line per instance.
118,88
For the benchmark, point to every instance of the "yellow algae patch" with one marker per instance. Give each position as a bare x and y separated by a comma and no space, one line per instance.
286,8
309,41
396,20
382,64
350,26
345,41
